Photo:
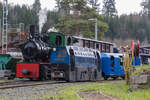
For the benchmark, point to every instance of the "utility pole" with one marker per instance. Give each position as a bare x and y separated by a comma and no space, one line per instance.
96,29
96,26
5,27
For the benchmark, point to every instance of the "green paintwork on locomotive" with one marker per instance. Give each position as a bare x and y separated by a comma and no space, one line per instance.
54,36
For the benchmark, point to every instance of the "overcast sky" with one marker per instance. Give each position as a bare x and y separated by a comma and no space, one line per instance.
123,6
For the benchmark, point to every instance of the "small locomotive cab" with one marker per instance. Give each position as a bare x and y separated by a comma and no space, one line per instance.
75,63
112,65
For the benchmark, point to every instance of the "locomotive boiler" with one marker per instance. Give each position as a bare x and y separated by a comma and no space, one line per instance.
37,47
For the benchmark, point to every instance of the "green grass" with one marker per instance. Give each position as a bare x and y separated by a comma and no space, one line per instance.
116,89
138,69
143,67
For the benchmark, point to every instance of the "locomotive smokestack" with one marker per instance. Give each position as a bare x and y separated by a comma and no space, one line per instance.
32,30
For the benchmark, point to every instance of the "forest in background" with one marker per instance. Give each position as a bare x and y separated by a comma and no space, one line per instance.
72,17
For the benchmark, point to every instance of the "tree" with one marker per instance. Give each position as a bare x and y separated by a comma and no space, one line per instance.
109,8
95,4
1,7
69,5
58,4
37,6
22,14
77,23
146,8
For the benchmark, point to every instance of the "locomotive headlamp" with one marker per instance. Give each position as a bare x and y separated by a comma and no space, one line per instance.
54,49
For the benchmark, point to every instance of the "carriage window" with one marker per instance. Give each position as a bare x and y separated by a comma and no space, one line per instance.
121,60
58,40
103,48
83,43
69,41
97,46
92,45
108,48
112,62
121,63
87,44
61,53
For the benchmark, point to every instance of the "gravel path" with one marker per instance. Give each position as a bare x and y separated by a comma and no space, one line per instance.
42,92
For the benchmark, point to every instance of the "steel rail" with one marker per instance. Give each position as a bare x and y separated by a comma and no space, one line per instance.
30,84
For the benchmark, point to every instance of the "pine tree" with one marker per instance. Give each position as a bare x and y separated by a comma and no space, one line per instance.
58,4
95,4
37,6
146,8
73,4
109,8
77,23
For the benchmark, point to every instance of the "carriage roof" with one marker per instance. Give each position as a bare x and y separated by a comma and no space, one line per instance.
82,51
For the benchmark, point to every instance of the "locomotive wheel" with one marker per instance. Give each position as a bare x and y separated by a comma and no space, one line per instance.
114,78
44,73
31,79
11,77
123,77
105,77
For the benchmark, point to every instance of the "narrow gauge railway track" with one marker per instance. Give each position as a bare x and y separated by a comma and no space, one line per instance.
28,84
20,84
10,82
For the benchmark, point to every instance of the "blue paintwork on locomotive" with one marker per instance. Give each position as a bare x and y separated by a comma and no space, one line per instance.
54,58
75,63
107,69
85,61
80,60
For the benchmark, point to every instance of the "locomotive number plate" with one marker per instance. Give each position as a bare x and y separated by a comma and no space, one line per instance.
59,59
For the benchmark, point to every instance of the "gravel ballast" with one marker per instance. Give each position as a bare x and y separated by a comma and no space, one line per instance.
42,92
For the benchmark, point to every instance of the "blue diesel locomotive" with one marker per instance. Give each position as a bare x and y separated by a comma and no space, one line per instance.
73,63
